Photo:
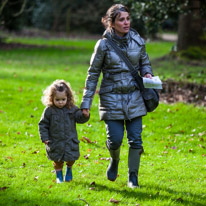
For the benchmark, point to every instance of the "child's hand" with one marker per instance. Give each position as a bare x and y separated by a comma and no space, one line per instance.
85,112
46,142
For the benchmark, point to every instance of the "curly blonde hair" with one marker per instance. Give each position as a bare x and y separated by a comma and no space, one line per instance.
50,92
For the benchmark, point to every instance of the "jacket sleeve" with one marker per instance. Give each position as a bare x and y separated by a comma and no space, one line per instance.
44,125
79,117
145,66
93,74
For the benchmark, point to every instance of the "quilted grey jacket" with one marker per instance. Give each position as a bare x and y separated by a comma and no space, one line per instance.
120,98
59,127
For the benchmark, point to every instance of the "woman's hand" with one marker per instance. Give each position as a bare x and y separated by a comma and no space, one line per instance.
85,112
46,142
148,75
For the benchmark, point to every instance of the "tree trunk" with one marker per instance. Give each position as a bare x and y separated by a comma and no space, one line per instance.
191,27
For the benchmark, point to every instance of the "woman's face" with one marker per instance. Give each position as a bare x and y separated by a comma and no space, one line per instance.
121,24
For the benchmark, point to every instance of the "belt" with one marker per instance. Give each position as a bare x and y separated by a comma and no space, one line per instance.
124,90
116,76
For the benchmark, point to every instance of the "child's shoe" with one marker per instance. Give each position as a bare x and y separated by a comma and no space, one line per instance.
59,176
68,175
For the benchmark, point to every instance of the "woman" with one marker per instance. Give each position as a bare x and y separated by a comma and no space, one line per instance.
121,103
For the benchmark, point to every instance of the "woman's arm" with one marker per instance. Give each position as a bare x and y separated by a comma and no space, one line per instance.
145,66
93,74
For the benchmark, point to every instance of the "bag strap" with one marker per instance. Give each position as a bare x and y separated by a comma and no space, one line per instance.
132,69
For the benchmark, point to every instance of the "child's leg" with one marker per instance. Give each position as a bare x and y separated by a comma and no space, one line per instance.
68,174
58,166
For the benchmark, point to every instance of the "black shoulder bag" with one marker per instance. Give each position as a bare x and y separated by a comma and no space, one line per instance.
150,96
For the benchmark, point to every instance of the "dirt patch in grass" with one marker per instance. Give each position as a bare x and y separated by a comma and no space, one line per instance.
183,92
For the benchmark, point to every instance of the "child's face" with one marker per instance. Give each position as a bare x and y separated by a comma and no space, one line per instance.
60,99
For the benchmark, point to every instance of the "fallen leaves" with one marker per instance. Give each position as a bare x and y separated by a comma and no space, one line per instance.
20,89
86,139
36,178
201,146
174,148
9,158
86,156
201,133
93,183
105,158
92,188
23,165
179,199
35,152
114,201
3,188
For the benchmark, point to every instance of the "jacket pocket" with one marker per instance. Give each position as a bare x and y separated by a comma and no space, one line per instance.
75,144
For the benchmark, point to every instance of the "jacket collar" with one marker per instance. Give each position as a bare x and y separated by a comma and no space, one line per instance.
119,40
55,110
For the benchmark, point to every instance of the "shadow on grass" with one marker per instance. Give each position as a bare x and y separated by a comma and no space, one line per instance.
10,197
141,195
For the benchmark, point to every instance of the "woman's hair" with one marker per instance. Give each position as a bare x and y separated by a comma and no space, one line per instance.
60,86
111,15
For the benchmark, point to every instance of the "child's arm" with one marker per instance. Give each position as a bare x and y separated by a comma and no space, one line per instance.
46,142
44,126
85,112
81,117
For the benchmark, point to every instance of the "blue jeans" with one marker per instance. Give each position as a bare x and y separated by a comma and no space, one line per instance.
115,133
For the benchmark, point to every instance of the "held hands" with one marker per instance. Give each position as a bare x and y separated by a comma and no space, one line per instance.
85,112
46,142
148,75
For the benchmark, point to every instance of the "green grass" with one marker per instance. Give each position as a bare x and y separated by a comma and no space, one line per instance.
186,71
172,168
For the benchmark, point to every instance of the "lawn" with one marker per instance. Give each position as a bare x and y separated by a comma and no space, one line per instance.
173,167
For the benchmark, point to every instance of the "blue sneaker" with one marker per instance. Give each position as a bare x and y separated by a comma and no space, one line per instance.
68,175
59,176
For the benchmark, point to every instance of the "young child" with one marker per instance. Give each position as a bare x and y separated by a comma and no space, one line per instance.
57,127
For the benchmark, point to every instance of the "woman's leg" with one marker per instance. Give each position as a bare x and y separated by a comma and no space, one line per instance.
115,133
134,131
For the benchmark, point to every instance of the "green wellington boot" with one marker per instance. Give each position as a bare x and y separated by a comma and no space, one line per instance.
112,169
133,167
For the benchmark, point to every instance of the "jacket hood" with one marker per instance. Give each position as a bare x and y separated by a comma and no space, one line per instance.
116,38
132,34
